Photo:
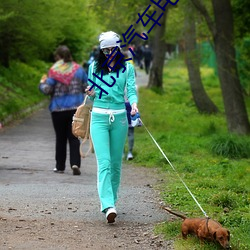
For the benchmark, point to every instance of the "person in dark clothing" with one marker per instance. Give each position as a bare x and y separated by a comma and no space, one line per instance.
147,58
130,133
139,56
93,55
65,83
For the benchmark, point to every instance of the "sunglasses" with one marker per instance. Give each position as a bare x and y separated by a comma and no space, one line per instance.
106,51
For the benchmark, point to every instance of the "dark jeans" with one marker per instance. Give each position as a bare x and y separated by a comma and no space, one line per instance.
131,139
147,65
130,129
62,122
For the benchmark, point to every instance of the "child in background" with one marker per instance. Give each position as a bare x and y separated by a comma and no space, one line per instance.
130,156
130,133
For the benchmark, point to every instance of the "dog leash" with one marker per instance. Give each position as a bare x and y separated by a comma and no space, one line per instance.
174,170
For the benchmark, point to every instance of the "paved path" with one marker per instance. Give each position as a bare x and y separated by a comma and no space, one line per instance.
31,191
26,163
141,78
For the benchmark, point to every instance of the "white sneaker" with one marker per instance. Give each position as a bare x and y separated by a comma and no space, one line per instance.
130,156
58,171
111,214
76,170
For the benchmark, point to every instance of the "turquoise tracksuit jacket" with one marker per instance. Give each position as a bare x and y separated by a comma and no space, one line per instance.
110,93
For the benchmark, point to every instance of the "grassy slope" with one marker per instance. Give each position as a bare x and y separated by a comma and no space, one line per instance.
220,184
19,88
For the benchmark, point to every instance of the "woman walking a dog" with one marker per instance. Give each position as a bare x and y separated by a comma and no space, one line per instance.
109,123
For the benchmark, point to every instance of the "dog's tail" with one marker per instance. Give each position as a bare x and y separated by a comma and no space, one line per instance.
175,213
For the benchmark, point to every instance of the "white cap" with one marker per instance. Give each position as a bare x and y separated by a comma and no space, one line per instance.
109,39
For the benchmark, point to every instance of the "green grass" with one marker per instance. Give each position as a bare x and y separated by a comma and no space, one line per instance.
214,164
19,88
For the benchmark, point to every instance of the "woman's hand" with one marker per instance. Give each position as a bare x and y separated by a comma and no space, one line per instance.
91,92
134,109
43,79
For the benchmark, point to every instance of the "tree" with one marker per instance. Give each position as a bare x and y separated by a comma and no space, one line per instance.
118,15
223,37
242,33
28,33
23,33
201,99
159,50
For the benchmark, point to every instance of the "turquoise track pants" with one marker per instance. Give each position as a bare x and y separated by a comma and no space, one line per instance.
108,136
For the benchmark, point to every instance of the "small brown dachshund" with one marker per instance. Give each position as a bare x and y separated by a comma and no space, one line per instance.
204,229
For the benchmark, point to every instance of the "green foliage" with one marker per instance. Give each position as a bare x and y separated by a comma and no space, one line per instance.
231,146
29,33
224,200
119,20
19,87
219,183
241,17
210,129
243,60
170,230
175,19
242,37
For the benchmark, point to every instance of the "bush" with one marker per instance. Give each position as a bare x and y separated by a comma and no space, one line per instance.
19,88
224,200
231,146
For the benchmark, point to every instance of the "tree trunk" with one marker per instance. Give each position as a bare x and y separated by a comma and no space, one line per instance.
201,99
159,51
223,37
235,109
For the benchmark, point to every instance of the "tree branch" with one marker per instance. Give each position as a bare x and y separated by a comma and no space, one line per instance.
202,9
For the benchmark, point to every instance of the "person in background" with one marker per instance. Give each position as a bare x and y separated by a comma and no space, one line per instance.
139,49
130,133
147,54
65,83
131,129
93,55
109,125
